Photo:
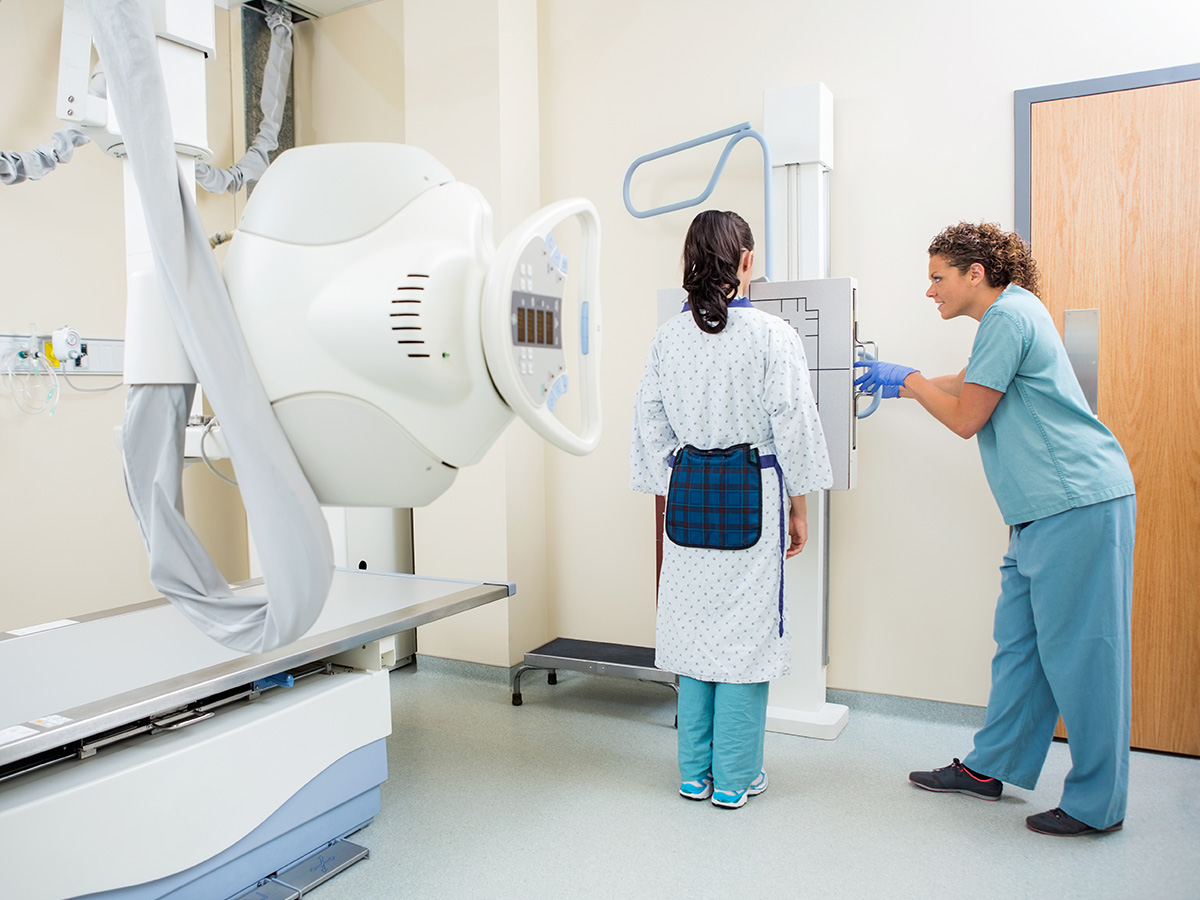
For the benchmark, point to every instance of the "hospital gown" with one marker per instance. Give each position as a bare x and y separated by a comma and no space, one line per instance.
719,612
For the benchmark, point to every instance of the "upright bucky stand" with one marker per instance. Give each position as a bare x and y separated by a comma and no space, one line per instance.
797,143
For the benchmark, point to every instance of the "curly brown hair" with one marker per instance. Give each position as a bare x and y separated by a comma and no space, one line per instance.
1005,256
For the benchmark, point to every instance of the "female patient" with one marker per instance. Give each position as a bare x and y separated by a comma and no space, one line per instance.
726,426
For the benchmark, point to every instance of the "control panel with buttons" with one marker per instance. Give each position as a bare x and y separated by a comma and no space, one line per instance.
536,318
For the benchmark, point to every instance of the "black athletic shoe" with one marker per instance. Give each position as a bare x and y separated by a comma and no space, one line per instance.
1058,823
958,779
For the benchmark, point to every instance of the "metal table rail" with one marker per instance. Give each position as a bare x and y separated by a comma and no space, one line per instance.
96,673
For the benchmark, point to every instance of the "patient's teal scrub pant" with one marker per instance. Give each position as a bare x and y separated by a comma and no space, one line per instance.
721,731
1062,630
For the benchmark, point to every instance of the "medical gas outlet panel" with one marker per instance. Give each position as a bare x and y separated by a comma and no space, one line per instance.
536,318
823,313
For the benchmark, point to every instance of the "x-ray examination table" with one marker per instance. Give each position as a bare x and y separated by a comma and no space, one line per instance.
132,765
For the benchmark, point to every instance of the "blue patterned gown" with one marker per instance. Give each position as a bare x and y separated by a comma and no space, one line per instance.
719,612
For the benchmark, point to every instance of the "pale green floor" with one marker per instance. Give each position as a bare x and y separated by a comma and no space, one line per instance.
573,795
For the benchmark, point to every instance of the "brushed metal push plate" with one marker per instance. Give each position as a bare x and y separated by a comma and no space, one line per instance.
1081,336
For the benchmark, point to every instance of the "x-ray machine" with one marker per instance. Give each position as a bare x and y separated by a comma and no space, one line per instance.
138,758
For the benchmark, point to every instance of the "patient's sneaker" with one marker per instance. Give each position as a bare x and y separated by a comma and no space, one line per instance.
729,799
958,779
1058,823
700,789
758,785
736,799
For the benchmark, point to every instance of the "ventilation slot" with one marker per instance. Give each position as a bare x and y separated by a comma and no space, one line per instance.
405,316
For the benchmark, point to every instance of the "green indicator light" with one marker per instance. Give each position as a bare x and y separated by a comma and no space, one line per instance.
445,356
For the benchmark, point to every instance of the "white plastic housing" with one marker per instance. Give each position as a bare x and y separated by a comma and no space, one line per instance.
188,794
154,353
186,31
798,123
358,278
74,103
531,378
186,22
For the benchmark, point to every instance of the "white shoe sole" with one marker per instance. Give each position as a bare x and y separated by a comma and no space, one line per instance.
727,804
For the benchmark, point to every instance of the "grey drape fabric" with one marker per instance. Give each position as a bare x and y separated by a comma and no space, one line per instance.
290,533
274,96
36,163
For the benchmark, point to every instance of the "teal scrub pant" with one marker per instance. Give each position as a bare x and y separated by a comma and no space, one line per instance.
1063,646
721,731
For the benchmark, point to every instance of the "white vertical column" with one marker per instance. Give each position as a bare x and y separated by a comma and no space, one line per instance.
810,232
153,352
471,99
798,124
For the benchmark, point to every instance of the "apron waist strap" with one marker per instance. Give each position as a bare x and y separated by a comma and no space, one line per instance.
765,461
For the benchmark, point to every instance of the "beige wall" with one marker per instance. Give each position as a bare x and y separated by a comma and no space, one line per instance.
349,76
923,137
68,541
458,78
471,99
923,95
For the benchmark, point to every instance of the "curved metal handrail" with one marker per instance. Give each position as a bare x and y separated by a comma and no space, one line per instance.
736,134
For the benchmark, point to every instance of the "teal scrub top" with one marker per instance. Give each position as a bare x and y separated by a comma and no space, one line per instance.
1043,451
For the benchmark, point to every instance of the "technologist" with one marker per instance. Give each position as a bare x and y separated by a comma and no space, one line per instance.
725,425
1064,487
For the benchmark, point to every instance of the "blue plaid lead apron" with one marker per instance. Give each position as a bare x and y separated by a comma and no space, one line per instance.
715,498
715,501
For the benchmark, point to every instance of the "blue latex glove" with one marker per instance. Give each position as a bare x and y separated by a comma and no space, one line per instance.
882,376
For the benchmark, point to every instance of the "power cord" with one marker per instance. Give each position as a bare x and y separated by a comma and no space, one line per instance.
204,454
83,390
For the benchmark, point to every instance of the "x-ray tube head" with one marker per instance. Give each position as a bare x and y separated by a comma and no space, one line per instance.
379,317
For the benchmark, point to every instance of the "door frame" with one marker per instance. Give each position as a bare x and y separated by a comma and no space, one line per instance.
1023,101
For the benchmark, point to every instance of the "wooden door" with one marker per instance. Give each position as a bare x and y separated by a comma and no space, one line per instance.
1115,226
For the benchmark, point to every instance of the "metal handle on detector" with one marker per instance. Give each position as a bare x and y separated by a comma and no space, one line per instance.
864,353
497,328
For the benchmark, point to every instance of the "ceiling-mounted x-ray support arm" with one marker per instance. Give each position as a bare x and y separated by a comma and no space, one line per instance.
735,134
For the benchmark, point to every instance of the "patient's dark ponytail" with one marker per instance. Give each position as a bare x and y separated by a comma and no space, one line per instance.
712,253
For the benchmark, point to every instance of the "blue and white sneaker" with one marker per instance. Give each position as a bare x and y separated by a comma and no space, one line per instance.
736,799
729,799
758,785
700,789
